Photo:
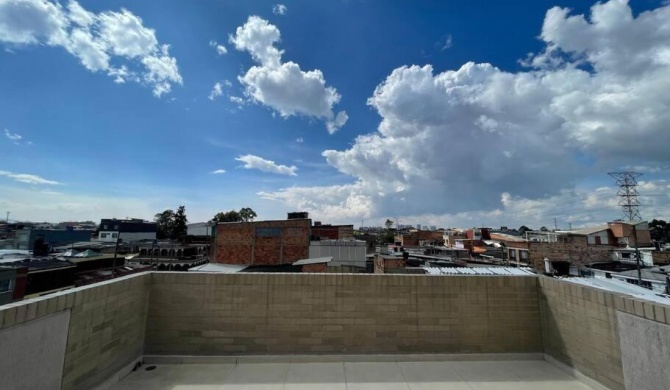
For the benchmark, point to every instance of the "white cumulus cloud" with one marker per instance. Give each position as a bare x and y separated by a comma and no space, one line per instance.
110,42
255,162
217,90
279,9
476,141
220,49
283,86
28,178
15,137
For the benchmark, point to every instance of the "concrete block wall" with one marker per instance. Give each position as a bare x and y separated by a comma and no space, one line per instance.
580,327
246,314
105,333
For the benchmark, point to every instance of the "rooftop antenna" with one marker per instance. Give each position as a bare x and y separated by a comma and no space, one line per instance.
627,181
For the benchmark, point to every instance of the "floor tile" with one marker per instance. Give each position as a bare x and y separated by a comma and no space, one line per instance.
449,375
373,376
476,371
326,376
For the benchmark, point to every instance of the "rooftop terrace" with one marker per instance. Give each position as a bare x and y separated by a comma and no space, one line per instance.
409,331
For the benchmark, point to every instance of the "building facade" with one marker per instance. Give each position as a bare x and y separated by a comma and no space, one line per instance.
126,229
200,229
344,252
262,242
332,232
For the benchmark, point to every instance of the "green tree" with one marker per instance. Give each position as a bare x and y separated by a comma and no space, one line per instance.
388,224
523,229
245,214
180,222
164,224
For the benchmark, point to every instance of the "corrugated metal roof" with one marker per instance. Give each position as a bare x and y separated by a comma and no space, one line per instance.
591,230
621,287
316,260
492,271
221,268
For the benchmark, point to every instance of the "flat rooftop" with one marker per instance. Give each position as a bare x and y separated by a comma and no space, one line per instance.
424,375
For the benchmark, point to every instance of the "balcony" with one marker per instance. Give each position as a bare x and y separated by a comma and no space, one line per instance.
334,330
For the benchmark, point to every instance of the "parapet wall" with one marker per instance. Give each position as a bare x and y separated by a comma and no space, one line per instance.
581,327
247,314
84,336
100,326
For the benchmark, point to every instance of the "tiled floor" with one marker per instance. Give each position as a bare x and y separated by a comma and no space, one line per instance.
449,375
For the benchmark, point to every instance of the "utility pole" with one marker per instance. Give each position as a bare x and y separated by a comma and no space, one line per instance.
637,257
7,219
555,225
116,250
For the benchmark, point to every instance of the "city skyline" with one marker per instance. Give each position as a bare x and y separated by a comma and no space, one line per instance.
440,113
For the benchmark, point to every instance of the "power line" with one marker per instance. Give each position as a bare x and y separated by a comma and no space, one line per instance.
630,205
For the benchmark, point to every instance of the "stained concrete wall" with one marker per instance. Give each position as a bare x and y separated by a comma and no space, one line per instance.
239,314
645,352
105,332
27,362
580,327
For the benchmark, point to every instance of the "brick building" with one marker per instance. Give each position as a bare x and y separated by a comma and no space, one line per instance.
388,264
332,232
262,242
580,247
419,238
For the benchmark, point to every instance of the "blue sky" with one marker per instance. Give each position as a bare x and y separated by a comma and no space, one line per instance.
91,147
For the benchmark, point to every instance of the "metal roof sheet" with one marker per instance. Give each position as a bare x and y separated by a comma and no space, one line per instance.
316,260
491,271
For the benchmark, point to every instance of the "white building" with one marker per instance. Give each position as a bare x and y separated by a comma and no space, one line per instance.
200,229
128,230
343,252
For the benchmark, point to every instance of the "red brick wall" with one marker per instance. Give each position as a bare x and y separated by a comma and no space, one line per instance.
333,232
660,258
574,249
320,267
263,242
385,263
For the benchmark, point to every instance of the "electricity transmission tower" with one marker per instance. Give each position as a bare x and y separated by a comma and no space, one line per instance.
627,181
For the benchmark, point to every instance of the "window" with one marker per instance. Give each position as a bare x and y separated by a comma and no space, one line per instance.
512,254
523,255
114,235
105,227
103,235
116,227
6,285
598,242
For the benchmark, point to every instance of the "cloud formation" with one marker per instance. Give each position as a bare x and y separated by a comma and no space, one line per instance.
220,49
255,162
283,86
14,137
28,178
279,9
109,42
218,172
217,90
480,140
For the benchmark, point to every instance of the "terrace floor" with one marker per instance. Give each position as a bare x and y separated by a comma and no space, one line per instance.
444,375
